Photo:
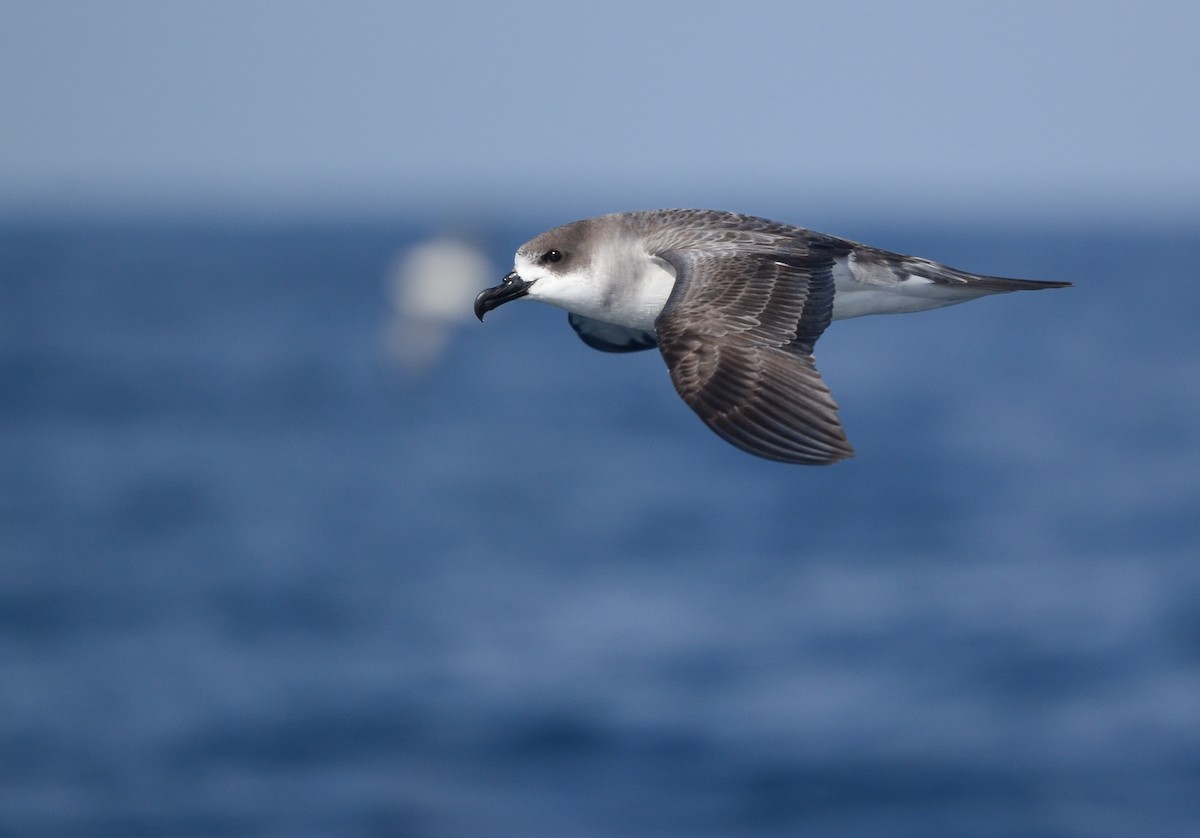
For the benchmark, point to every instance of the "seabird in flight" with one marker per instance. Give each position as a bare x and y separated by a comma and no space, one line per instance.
735,305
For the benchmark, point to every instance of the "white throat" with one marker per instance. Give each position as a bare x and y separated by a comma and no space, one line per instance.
623,288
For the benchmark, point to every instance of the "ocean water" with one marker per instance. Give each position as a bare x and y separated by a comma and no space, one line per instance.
257,579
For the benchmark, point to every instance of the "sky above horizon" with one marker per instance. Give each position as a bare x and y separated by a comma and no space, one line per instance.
359,104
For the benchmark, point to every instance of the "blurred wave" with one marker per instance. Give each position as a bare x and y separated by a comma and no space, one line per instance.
431,287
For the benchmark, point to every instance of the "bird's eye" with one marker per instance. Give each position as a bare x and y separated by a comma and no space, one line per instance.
552,256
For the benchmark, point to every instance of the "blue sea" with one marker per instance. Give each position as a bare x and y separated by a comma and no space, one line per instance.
257,579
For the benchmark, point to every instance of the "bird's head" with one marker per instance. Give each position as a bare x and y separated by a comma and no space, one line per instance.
553,268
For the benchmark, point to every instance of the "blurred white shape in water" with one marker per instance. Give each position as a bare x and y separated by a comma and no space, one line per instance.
432,288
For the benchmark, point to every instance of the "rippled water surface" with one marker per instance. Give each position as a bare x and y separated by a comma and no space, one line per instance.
257,579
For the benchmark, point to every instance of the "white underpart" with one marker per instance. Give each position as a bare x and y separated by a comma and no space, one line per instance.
868,289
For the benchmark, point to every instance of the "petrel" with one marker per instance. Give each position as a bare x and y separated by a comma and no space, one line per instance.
735,304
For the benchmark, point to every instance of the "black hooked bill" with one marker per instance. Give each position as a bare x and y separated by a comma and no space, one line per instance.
512,288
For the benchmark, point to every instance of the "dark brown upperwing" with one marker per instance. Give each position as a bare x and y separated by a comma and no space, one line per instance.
737,334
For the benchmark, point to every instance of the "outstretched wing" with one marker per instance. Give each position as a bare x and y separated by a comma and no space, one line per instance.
737,334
